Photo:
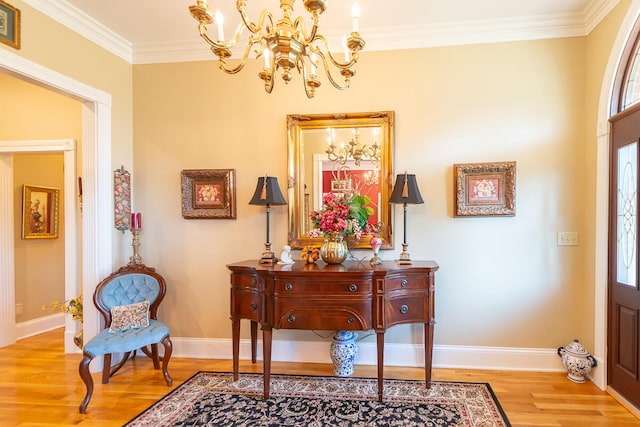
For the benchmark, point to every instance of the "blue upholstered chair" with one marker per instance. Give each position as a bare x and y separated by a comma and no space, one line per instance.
123,299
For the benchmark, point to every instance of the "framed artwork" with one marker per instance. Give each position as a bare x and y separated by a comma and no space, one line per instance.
40,212
9,25
340,186
485,189
121,199
208,193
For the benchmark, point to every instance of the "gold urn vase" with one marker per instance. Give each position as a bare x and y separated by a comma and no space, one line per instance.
334,249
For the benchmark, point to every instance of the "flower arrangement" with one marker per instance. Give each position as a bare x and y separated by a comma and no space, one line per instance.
346,214
72,307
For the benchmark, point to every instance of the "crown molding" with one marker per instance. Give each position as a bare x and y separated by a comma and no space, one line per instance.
378,39
83,24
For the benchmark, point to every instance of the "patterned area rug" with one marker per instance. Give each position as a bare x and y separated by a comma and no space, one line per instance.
214,399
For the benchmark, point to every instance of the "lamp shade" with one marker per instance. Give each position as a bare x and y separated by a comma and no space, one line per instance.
268,192
406,190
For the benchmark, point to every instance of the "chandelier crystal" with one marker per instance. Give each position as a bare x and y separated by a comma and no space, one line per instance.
284,45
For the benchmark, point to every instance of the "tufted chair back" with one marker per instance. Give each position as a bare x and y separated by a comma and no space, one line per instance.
127,286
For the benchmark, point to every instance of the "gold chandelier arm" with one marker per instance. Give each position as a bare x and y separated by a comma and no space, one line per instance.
353,55
299,25
245,56
217,45
346,72
265,15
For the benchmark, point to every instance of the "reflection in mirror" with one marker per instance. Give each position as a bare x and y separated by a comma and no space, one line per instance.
334,153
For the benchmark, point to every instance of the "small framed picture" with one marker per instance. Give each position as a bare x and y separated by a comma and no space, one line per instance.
122,199
485,189
9,25
40,212
340,186
208,193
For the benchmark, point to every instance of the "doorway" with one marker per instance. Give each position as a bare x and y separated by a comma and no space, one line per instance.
97,236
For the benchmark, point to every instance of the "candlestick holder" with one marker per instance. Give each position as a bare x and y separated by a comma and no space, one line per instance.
136,258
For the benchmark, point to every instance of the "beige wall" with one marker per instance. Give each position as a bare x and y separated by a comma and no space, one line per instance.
39,263
502,282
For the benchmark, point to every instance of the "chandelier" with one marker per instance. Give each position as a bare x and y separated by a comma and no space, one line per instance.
285,44
352,149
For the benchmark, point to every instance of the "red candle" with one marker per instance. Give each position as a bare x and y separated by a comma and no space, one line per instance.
136,220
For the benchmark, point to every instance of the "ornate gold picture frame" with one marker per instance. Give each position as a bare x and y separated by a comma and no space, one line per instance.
208,193
485,189
40,212
9,25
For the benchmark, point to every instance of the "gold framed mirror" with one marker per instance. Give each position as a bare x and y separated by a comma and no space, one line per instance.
333,152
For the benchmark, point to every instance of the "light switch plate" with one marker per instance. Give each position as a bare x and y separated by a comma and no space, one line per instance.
567,238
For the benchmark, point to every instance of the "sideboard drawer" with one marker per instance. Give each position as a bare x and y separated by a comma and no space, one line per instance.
246,281
286,286
322,316
407,309
246,304
406,282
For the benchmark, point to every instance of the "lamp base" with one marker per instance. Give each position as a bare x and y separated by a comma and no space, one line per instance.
268,258
405,259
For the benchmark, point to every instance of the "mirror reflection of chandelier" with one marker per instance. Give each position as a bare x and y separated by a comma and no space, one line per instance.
285,44
371,177
352,150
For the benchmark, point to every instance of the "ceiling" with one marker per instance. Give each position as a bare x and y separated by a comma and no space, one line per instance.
142,31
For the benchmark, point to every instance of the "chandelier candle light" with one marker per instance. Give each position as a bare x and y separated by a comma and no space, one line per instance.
353,149
284,44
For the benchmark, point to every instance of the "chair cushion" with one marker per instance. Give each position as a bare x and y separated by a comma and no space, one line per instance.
131,316
132,339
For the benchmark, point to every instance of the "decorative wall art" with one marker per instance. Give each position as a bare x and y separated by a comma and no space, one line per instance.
9,25
122,199
485,189
208,193
40,212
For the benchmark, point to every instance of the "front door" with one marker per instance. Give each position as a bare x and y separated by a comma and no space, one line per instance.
624,285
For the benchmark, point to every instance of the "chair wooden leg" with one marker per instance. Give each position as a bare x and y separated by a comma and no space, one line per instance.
124,359
154,356
83,369
168,348
106,368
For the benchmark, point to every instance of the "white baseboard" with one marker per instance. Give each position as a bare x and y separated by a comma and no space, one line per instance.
444,356
39,325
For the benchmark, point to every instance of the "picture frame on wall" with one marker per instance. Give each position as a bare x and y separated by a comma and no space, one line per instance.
208,193
40,212
485,189
9,25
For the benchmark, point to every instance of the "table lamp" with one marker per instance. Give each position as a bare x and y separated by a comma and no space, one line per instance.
268,193
405,191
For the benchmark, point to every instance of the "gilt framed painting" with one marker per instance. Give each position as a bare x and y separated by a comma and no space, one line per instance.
9,25
208,193
40,212
485,189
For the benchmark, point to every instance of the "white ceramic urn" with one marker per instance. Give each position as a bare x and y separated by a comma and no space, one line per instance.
576,360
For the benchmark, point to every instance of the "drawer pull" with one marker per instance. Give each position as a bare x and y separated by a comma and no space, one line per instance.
254,306
291,319
288,287
404,283
350,320
404,309
353,287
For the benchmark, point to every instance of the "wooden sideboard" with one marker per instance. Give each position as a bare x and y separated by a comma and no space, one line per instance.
348,296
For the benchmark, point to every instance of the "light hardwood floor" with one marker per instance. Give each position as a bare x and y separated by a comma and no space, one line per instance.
39,385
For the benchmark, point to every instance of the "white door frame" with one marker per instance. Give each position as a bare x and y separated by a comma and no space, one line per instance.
68,148
97,233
